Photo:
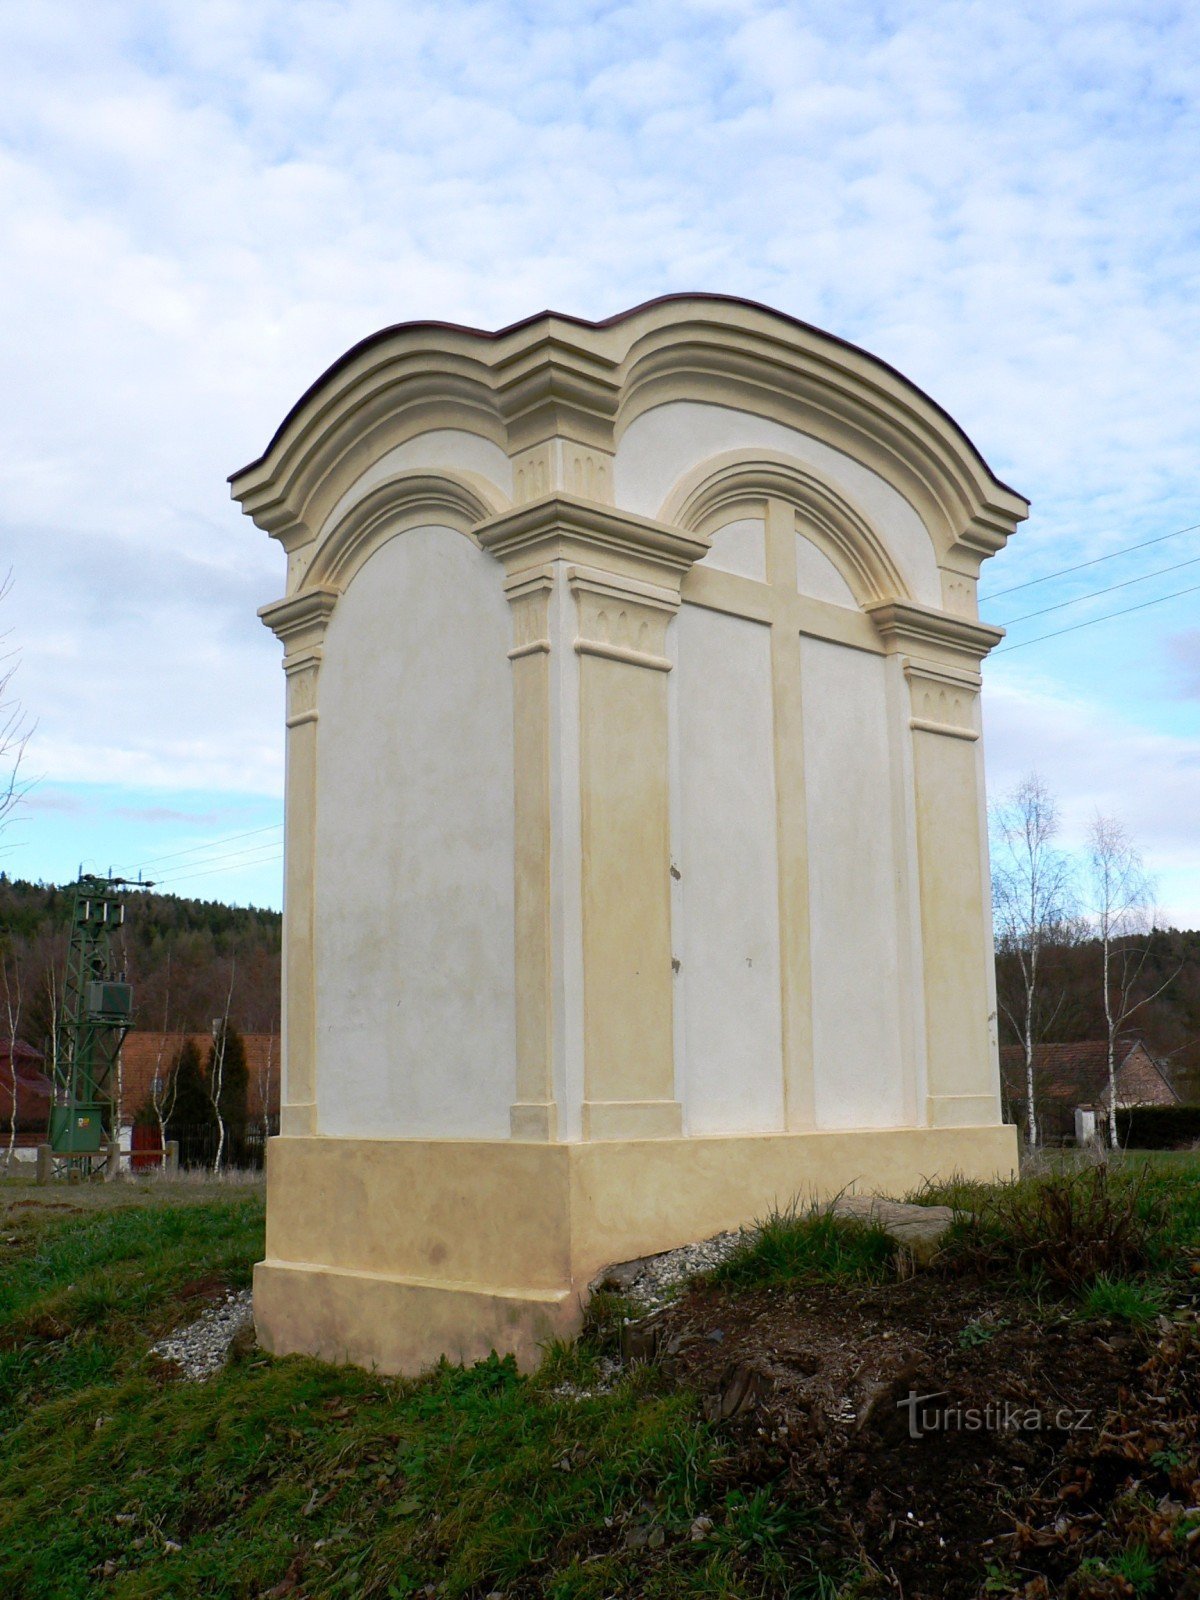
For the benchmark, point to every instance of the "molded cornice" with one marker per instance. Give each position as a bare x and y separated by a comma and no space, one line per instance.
554,375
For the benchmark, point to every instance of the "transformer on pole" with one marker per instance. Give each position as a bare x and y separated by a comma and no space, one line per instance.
97,1013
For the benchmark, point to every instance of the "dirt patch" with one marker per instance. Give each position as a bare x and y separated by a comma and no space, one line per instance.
943,1427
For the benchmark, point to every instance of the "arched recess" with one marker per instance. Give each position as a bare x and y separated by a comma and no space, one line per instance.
739,484
413,499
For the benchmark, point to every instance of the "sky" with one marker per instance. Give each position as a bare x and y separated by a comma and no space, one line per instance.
203,204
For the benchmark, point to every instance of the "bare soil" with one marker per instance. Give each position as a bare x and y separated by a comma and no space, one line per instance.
1042,1437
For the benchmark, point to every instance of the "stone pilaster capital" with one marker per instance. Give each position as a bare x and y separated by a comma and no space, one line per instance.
935,637
602,538
299,624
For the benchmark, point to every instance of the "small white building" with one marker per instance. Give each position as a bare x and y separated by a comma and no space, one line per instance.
636,871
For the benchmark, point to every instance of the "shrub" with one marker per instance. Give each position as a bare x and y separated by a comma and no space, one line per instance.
1067,1228
1158,1127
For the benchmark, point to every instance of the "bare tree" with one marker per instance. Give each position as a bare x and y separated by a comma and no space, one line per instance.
216,1077
265,1072
163,1084
10,968
15,727
1033,898
1122,899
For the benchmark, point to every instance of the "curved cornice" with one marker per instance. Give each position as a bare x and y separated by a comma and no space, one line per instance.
716,492
553,374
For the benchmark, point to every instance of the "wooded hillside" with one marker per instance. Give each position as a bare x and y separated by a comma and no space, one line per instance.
185,958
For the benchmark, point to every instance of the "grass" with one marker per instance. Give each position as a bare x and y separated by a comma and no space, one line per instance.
290,1475
800,1243
1123,1300
82,1297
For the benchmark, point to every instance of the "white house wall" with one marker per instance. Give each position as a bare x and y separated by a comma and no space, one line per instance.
414,900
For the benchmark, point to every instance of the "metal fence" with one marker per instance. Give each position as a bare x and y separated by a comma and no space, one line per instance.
245,1147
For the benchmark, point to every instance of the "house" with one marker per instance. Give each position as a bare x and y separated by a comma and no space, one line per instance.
21,1066
146,1055
1068,1077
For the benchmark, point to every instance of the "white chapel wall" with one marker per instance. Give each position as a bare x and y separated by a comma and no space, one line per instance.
414,894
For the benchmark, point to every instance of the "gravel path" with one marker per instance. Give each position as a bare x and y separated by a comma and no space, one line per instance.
202,1347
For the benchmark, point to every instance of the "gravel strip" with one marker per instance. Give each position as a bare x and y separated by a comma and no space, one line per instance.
652,1281
202,1347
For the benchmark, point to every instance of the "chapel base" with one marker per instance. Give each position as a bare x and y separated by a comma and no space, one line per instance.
392,1253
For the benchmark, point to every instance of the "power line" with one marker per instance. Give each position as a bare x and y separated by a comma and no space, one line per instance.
233,859
1095,594
1108,616
229,838
1095,562
189,877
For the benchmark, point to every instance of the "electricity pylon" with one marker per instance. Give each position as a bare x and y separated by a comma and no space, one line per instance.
97,1013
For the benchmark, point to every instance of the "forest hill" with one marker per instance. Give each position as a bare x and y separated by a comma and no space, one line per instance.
189,961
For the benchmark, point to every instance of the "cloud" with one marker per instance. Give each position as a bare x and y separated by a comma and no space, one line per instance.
1095,761
204,205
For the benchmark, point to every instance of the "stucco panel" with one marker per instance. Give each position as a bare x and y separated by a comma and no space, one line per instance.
740,547
414,901
856,964
727,941
440,449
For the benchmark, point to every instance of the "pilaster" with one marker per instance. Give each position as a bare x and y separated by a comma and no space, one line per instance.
619,576
791,827
299,623
941,656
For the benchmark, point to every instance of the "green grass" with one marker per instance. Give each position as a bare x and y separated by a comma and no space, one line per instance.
798,1243
1123,1300
1135,1566
81,1298
115,1481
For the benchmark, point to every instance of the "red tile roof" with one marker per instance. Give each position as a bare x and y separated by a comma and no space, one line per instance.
1077,1074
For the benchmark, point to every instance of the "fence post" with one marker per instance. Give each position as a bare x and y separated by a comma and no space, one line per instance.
45,1164
112,1160
170,1164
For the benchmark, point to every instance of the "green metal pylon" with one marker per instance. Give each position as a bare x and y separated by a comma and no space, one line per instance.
97,1013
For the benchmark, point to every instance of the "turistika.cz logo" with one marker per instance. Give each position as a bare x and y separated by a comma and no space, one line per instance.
926,1416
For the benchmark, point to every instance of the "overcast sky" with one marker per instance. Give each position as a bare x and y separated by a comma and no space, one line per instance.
202,204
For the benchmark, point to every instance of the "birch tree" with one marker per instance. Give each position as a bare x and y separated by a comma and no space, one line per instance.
14,725
1034,901
163,1084
216,1072
10,968
1122,899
